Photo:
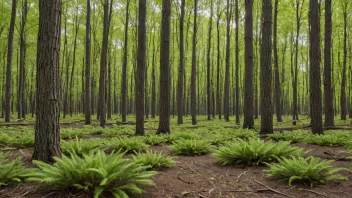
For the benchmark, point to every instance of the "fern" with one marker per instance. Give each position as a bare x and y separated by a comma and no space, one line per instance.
155,139
292,136
134,144
326,140
95,172
308,171
191,147
153,159
182,135
254,152
11,172
81,146
25,139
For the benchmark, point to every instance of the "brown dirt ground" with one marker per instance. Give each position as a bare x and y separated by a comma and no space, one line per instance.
202,177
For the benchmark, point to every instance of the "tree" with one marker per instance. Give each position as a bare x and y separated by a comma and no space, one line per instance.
314,55
265,70
276,68
343,101
194,67
328,91
181,68
9,63
87,106
141,67
208,62
103,65
227,62
47,127
237,65
124,67
248,121
164,99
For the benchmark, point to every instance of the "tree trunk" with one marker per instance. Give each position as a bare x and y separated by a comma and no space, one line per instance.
153,102
237,65
9,63
164,91
208,61
227,62
218,92
343,102
103,65
248,82
328,92
315,80
47,127
87,106
21,84
276,68
265,71
181,68
194,67
124,68
141,65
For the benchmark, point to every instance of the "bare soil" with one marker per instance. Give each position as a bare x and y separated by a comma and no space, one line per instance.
202,176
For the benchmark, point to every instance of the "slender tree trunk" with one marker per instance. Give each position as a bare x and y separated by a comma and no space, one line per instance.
218,92
343,102
315,80
21,84
276,68
194,67
8,91
164,91
227,62
248,82
208,61
141,65
153,105
103,65
265,70
124,68
87,109
47,127
237,65
180,99
328,92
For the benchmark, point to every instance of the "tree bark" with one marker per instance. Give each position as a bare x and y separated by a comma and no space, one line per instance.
124,68
103,65
141,65
248,82
265,70
87,106
164,91
276,68
315,80
8,91
181,68
237,65
47,127
227,62
343,102
208,61
194,67
328,92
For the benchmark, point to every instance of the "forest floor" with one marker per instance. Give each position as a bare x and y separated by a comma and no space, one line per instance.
204,177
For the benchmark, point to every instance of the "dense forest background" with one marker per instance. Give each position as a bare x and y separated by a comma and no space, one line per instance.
292,43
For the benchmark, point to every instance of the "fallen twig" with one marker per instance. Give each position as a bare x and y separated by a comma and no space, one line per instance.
271,189
312,191
187,182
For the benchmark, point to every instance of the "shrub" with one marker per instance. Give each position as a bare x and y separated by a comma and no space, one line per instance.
153,159
25,139
155,139
292,136
133,144
11,172
81,146
308,171
191,147
95,172
326,140
182,135
244,134
254,152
